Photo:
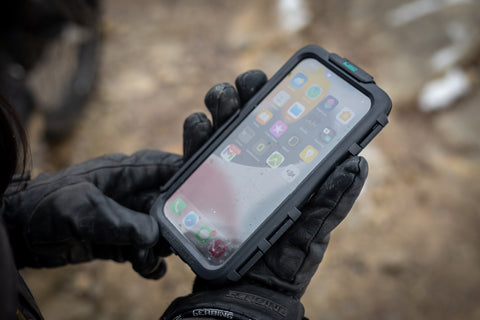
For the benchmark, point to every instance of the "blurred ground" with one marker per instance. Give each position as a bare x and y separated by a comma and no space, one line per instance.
409,249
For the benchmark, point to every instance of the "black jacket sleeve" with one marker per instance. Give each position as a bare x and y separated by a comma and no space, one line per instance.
16,299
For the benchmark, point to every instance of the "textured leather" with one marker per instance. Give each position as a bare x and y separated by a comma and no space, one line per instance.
91,210
291,263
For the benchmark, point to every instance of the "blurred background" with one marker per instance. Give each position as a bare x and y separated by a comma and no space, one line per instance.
125,77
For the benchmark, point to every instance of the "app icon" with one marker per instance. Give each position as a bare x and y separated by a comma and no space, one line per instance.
313,92
217,249
293,141
290,172
177,206
264,116
281,98
205,233
190,219
230,152
260,147
275,160
327,135
328,103
278,128
298,80
296,110
246,135
312,120
308,154
345,115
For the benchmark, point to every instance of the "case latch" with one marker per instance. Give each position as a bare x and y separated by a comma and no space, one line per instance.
377,127
381,123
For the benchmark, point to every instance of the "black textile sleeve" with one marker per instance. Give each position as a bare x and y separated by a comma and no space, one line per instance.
8,275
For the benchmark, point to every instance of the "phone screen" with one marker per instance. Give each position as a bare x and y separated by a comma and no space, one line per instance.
264,159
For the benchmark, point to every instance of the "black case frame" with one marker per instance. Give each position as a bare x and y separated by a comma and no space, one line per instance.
288,211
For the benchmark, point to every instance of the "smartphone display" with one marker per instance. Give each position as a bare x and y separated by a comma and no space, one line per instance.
264,159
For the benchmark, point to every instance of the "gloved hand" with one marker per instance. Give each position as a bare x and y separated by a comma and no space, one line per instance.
96,209
273,287
91,210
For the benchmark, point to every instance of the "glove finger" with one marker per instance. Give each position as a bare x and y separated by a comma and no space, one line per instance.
222,101
144,261
118,175
310,234
101,220
196,131
148,265
140,201
134,227
338,193
249,83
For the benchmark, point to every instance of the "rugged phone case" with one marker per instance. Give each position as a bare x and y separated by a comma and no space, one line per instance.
288,211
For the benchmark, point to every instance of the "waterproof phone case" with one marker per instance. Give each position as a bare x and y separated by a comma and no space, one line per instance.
230,203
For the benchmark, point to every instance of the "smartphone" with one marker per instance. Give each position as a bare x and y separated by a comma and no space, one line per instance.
230,203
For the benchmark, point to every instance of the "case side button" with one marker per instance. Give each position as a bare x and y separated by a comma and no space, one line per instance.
280,231
381,122
376,129
248,264
264,245
294,213
355,149
234,276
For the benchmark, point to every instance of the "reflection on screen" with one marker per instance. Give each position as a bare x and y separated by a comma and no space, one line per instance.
264,159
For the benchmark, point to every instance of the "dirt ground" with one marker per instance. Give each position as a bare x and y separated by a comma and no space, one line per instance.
410,247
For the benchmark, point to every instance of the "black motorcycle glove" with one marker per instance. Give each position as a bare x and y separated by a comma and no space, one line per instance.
97,209
91,210
273,287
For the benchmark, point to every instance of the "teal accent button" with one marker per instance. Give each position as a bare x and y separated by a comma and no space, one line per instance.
350,66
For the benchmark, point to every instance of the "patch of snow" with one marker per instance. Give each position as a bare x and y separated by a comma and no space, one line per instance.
417,9
293,15
449,56
443,92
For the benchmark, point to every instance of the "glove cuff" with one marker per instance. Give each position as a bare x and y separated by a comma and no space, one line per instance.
238,302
